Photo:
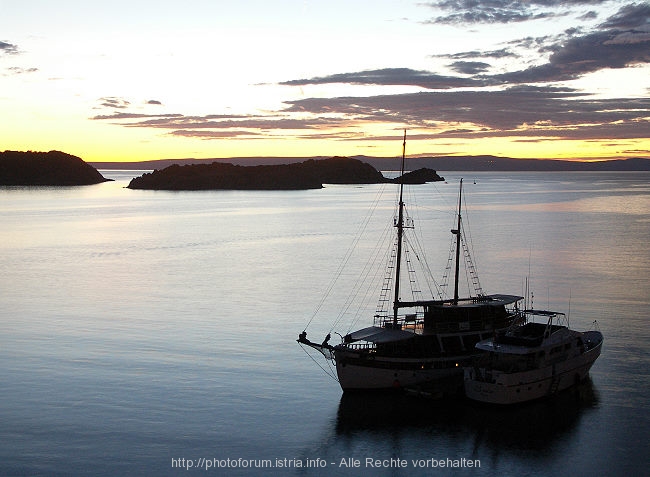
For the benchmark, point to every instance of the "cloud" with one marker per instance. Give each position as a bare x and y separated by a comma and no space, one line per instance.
8,48
472,106
469,67
123,116
178,122
390,77
202,134
16,70
217,126
502,53
113,102
523,110
571,55
630,16
591,15
456,12
586,54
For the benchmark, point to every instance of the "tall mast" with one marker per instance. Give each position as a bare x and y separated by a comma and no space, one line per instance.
400,233
457,232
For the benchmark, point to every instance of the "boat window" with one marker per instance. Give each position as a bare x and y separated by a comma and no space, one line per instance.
452,344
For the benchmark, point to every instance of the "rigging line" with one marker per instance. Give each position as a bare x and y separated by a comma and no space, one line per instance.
471,242
348,253
416,292
416,239
361,281
329,373
421,257
450,261
448,206
473,265
467,277
369,294
471,268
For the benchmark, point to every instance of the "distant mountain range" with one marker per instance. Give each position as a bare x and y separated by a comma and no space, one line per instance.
440,163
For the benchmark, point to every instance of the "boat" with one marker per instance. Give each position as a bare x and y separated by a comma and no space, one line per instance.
531,360
424,342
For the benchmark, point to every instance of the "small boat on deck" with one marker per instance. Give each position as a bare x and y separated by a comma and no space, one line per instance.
531,360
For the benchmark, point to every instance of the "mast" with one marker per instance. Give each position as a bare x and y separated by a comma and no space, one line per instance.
400,233
457,232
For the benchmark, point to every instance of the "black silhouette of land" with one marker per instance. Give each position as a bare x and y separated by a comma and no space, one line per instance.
310,174
52,168
56,168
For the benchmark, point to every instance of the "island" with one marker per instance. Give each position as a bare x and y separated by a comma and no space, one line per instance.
419,176
310,174
52,168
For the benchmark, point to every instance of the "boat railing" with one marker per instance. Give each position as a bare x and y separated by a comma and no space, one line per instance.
408,321
360,346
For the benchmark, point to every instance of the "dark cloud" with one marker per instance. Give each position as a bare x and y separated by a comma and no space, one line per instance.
8,48
216,126
502,53
390,77
572,54
154,101
179,122
540,44
525,111
123,116
588,16
628,17
469,67
203,134
500,11
569,59
113,102
586,54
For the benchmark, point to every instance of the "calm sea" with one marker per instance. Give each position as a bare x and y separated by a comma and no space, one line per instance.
144,333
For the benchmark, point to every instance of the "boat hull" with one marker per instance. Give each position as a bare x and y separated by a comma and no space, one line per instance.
438,375
513,388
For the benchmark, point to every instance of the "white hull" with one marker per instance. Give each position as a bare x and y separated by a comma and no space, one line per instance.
512,388
388,374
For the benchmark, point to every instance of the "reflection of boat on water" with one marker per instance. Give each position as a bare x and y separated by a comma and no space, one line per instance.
536,425
419,342
531,360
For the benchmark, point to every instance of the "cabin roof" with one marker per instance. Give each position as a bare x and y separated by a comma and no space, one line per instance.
375,334
474,302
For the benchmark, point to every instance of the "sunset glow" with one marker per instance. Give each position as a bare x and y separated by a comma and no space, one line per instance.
144,80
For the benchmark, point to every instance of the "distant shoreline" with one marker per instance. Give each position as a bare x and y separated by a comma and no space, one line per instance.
439,163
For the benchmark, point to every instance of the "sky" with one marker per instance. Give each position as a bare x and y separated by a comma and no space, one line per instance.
143,80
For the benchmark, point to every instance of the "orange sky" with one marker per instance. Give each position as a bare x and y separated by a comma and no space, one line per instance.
531,79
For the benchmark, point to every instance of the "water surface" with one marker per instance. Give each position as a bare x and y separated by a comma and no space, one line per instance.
139,327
